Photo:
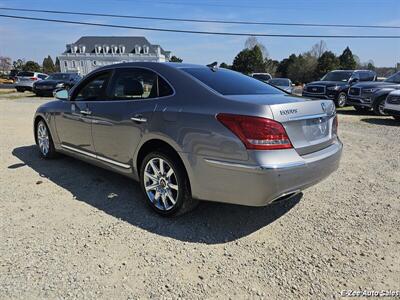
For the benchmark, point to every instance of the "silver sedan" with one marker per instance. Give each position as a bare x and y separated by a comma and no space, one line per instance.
189,132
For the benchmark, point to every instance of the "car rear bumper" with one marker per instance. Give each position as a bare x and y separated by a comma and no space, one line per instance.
23,84
259,185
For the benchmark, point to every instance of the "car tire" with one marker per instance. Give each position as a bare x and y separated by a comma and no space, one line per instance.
44,140
165,184
378,107
341,100
19,90
361,109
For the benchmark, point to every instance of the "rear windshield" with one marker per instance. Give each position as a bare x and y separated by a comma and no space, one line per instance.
228,82
279,82
26,74
395,78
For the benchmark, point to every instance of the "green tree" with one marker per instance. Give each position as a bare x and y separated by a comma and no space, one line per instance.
302,69
249,61
48,65
224,65
175,59
326,63
283,66
18,64
57,65
31,66
347,60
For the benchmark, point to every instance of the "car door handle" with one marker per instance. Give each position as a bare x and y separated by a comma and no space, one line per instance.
139,119
86,112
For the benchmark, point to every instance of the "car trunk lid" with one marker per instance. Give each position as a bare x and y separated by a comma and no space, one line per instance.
309,124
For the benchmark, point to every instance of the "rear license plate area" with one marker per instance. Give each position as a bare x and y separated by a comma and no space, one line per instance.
316,129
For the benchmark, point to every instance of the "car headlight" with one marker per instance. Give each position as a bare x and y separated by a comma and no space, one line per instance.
333,88
59,85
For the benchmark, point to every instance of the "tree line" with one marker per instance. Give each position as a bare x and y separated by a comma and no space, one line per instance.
48,65
305,67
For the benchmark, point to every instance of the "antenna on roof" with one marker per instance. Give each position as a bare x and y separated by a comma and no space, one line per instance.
213,66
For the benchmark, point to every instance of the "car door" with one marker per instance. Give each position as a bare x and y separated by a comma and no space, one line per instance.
120,121
74,124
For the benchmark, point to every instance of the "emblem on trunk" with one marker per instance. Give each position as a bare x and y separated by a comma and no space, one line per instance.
323,105
288,111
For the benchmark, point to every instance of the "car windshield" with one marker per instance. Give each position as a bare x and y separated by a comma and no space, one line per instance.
59,76
337,76
395,78
227,82
279,82
263,77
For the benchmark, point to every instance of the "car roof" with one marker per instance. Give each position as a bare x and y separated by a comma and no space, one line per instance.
154,65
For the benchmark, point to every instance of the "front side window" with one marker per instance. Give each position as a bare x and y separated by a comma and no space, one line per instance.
134,84
279,82
95,89
227,82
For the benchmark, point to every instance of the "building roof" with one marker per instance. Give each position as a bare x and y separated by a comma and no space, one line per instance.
128,41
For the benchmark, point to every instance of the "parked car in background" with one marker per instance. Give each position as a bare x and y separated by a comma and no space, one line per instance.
282,83
189,132
5,80
13,75
335,85
392,105
367,95
261,76
54,82
25,80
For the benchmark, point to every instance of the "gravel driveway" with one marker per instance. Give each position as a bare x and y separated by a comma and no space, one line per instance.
71,230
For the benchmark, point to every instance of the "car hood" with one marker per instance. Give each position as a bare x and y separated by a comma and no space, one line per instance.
49,82
375,84
328,83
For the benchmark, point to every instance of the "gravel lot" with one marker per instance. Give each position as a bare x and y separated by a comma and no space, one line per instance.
71,230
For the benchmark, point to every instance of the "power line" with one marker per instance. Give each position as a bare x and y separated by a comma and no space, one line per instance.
204,32
198,20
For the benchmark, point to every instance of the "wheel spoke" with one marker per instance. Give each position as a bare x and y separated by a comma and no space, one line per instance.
151,187
161,162
164,200
151,176
170,172
173,186
171,197
153,166
157,195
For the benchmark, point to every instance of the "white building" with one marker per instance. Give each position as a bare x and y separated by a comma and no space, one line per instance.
91,52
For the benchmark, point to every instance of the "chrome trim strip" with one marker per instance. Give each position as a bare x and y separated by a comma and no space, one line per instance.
306,117
280,166
125,166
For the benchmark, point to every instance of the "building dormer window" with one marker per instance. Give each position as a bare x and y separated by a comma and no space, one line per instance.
137,49
146,49
114,49
97,49
82,49
106,49
75,49
121,49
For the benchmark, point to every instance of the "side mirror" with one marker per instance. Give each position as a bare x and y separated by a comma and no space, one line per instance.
61,95
353,80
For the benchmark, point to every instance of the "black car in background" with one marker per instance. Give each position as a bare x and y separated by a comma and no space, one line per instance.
54,82
335,85
366,95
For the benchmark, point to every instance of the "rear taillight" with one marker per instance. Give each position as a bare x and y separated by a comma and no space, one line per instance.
33,78
257,133
335,125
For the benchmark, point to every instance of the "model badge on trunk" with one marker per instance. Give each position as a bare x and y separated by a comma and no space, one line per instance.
288,111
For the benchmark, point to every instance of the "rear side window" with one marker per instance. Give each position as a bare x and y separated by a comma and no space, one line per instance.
26,74
164,89
227,82
42,76
366,76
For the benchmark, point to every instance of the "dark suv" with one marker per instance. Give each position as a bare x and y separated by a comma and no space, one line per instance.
336,84
366,95
54,82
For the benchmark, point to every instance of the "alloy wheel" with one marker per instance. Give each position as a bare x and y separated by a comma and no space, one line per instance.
161,184
43,138
342,100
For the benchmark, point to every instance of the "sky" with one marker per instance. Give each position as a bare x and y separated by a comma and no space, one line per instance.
33,40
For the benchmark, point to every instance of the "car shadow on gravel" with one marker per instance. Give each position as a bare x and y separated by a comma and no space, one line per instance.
353,112
119,196
382,121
